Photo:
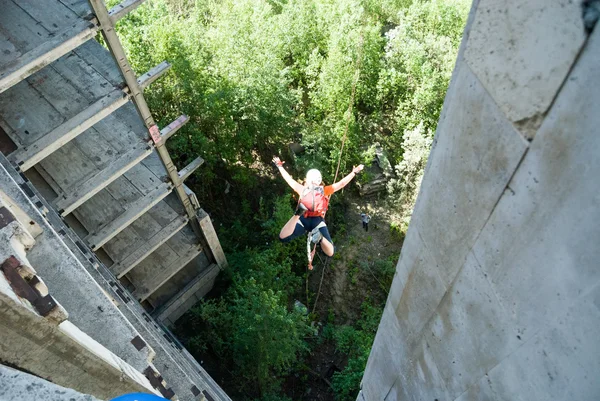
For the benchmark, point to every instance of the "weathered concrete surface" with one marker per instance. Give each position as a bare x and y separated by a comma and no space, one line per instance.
522,51
175,363
61,353
475,152
553,199
497,292
17,385
188,296
470,332
73,287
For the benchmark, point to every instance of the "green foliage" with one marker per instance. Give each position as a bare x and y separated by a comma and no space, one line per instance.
255,329
254,325
255,75
418,61
405,188
354,341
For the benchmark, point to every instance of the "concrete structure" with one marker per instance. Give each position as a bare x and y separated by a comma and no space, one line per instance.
120,241
496,293
36,335
17,385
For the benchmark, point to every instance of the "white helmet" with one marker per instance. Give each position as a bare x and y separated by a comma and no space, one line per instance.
313,176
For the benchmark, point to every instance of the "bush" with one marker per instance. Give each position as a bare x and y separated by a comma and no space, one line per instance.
356,342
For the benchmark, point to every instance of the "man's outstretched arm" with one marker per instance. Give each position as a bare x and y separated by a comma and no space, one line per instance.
346,180
296,186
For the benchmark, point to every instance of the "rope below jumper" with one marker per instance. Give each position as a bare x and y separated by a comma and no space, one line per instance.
313,236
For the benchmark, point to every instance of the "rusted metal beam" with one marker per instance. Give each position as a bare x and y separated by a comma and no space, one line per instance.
30,290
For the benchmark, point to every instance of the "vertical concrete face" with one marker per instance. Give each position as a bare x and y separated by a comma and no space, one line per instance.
522,51
497,291
17,385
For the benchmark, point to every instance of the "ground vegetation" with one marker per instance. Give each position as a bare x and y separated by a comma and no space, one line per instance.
255,76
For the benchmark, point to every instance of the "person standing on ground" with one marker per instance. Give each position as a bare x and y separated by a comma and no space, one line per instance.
314,201
365,220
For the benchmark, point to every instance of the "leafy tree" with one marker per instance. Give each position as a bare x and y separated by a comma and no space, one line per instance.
255,75
404,189
354,341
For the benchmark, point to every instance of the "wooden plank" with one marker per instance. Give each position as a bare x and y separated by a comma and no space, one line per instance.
16,105
52,15
8,51
100,149
121,10
169,289
142,178
173,305
51,182
124,266
125,192
145,80
82,192
133,211
100,59
83,77
32,154
210,235
175,204
183,241
46,53
98,210
121,244
68,166
146,226
151,283
162,214
20,28
172,128
114,129
130,120
64,96
190,168
79,7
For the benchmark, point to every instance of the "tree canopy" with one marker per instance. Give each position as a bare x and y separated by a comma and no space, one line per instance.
255,76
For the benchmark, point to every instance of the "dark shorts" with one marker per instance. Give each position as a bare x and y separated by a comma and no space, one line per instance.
306,225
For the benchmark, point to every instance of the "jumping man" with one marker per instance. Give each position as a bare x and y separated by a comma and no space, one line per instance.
314,200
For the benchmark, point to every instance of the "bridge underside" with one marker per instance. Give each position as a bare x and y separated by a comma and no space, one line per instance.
68,122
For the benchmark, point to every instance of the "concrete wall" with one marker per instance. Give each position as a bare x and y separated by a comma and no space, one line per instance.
497,291
36,335
17,385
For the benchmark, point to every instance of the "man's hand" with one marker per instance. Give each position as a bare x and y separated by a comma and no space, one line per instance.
357,169
277,161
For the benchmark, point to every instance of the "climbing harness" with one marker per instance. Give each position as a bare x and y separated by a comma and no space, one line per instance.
313,237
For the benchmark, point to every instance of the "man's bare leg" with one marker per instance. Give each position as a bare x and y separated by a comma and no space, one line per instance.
327,247
289,227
